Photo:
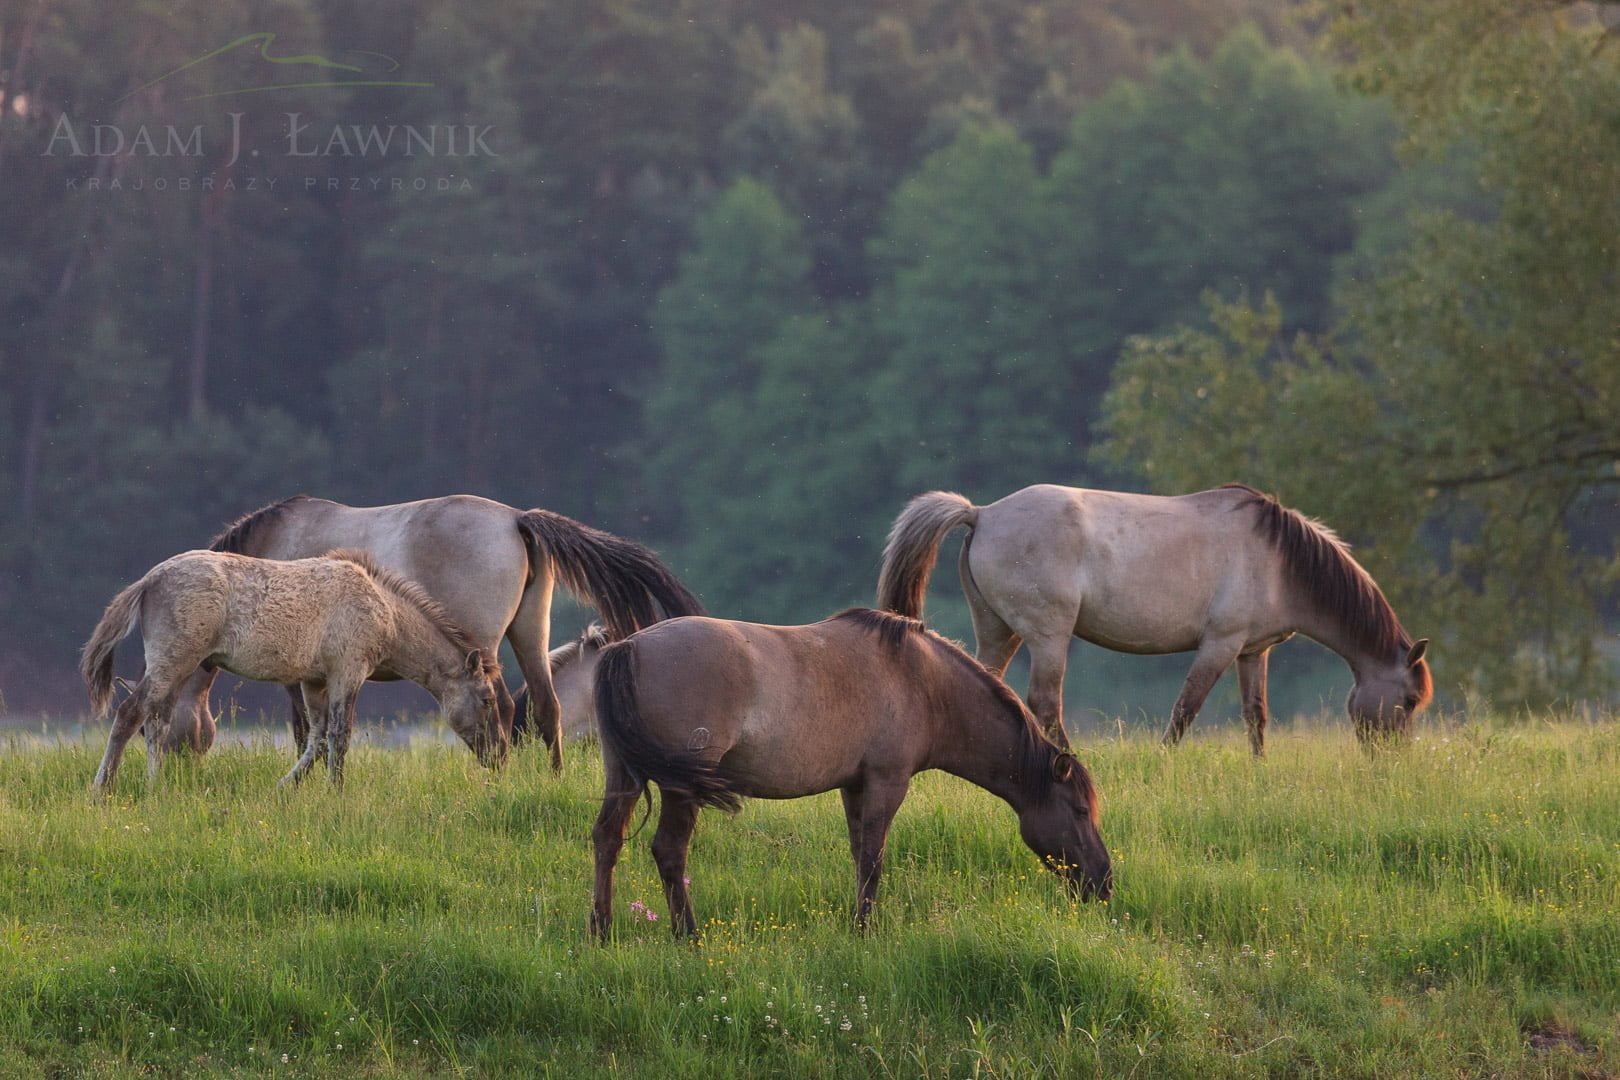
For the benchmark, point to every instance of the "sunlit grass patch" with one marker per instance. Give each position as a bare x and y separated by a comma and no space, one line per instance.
1444,909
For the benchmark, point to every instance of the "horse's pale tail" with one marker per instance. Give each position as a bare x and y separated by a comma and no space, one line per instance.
623,580
913,547
96,659
618,718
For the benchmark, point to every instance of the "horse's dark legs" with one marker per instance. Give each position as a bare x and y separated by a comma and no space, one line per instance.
125,724
1210,663
300,718
1252,685
676,823
869,809
339,726
1048,657
607,836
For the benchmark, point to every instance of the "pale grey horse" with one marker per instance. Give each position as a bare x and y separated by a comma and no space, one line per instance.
325,625
1226,574
492,567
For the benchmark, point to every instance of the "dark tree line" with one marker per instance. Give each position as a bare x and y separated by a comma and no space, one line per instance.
735,279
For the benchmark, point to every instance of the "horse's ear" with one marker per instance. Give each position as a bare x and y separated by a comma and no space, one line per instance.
1413,655
475,663
1063,767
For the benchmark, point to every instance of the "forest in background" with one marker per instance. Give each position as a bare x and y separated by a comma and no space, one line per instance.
739,279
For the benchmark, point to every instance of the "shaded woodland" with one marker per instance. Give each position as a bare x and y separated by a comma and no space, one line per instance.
737,279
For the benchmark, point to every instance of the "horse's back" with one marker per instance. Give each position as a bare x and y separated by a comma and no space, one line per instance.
787,710
464,550
1132,572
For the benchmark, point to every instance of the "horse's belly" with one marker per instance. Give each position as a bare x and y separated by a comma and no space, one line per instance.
1149,629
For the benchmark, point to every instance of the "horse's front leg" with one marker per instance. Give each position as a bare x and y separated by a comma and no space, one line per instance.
869,808
676,822
1252,687
315,708
607,836
339,727
1214,656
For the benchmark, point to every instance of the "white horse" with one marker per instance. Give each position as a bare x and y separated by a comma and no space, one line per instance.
1226,574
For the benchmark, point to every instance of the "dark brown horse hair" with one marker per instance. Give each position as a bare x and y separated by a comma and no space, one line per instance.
1036,768
1320,564
618,720
236,536
623,580
413,594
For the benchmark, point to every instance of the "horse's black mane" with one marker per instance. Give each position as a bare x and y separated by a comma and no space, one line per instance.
235,537
1321,565
1039,752
418,597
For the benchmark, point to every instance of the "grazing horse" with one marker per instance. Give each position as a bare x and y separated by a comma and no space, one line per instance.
1228,573
573,677
325,624
713,711
492,567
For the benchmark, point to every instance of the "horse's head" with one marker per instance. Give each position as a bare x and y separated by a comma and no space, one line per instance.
472,708
1062,829
573,677
1386,697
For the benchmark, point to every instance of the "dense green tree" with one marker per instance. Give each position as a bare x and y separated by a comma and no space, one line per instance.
977,387
1242,171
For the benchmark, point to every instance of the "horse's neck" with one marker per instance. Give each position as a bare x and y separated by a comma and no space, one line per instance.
980,742
419,651
1329,630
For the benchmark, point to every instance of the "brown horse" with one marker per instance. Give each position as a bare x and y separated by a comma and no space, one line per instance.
1228,573
490,565
713,711
325,624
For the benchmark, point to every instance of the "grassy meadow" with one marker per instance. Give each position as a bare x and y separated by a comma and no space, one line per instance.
1452,909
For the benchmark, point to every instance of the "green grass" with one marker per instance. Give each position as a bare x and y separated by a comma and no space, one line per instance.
1452,909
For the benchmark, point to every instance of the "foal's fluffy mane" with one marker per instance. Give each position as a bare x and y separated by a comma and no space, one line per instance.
413,594
1039,752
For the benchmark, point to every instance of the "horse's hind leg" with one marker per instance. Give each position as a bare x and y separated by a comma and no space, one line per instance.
607,836
1048,659
676,822
159,712
125,724
994,641
530,635
1252,685
315,708
300,717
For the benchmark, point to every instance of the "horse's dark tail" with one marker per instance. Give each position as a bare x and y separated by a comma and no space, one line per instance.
96,660
618,718
913,547
624,581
